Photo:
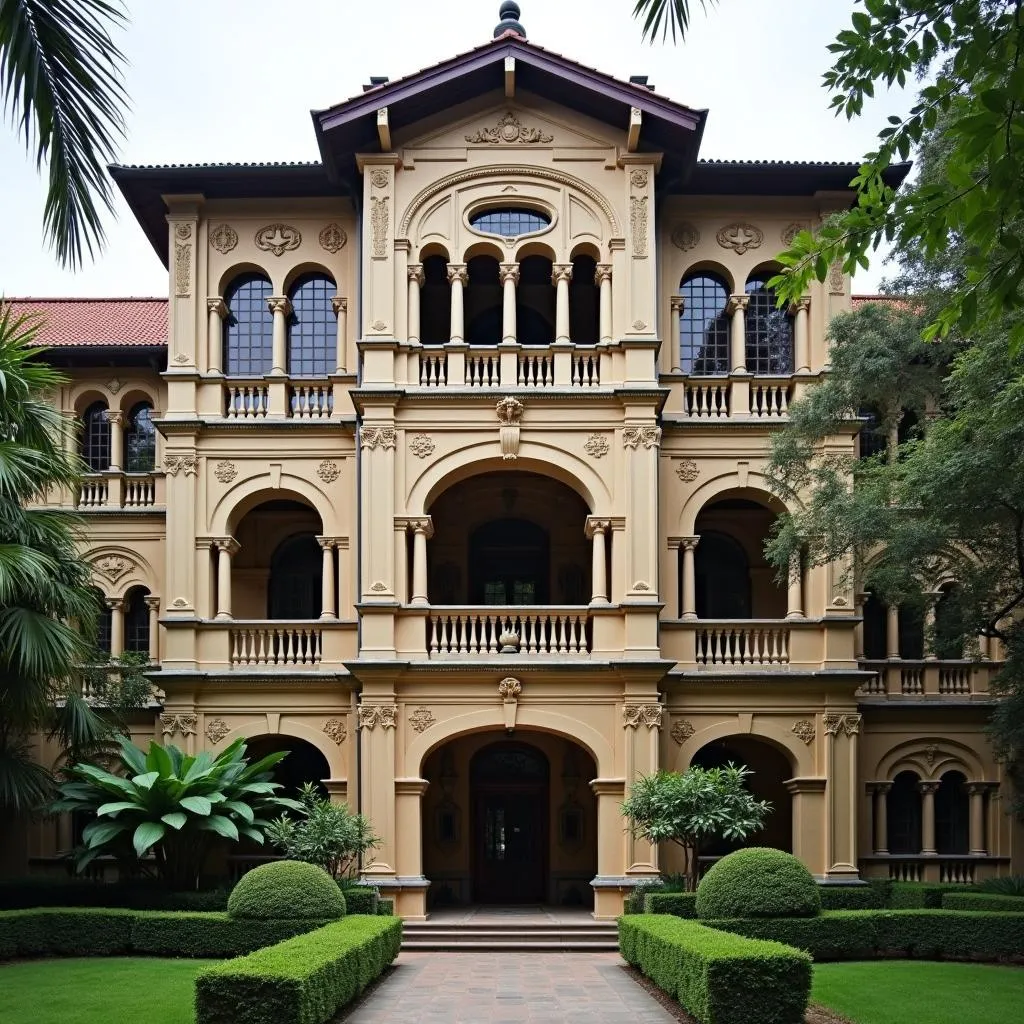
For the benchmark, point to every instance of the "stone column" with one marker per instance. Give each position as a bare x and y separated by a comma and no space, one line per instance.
377,724
642,720
676,305
409,852
561,275
340,307
422,531
281,308
977,822
204,587
457,278
116,420
509,279
801,338
859,598
841,793
737,308
116,606
596,530
153,604
328,586
892,632
603,277
611,843
928,790
415,277
226,548
795,592
689,548
880,791
216,311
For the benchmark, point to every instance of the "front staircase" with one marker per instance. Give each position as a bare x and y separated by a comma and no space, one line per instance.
520,929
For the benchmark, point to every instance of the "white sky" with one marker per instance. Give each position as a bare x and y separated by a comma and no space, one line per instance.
233,80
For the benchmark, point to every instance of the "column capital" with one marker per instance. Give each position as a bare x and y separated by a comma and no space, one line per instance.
414,273
422,524
928,786
561,272
596,524
878,787
215,304
737,302
677,303
327,543
458,272
279,304
509,272
981,787
115,604
339,304
228,544
152,602
113,416
801,305
602,273
689,543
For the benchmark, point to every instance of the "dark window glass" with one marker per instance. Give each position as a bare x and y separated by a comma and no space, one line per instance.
904,814
911,617
96,438
104,624
313,330
952,807
296,572
722,573
510,221
248,327
704,326
951,623
873,440
874,629
509,563
769,331
508,763
140,440
584,302
435,302
136,621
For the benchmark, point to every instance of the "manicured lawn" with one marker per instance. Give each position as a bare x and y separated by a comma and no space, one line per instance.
919,992
99,991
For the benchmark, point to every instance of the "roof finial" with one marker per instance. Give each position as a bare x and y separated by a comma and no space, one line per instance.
509,14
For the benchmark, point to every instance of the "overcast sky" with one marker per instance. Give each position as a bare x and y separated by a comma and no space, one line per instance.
234,80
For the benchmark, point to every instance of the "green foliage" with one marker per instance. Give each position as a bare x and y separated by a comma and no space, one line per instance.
719,978
666,17
678,904
286,889
88,931
324,833
694,807
852,897
385,908
919,895
173,804
361,899
24,893
303,981
1008,885
758,882
61,82
982,901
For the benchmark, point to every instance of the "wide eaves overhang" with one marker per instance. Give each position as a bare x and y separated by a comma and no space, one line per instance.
665,127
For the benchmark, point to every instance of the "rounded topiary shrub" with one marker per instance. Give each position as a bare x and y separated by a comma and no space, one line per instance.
758,882
286,889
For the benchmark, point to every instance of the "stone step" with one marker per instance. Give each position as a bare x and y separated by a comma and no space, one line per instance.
440,944
539,928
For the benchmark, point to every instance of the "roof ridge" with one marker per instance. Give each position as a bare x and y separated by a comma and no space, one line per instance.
83,298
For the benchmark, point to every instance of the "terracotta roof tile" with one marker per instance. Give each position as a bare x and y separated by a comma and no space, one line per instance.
97,322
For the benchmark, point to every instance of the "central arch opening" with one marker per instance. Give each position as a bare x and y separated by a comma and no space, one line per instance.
510,819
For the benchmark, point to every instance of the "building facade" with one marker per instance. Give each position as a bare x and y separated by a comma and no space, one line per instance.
442,466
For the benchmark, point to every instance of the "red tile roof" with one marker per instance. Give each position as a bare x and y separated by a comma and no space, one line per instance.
97,322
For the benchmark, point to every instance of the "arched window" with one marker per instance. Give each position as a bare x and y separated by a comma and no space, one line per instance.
136,621
296,570
584,301
96,438
911,618
140,440
704,325
104,623
769,331
509,563
313,329
874,629
950,623
509,222
952,808
435,302
483,302
722,573
248,327
904,814
535,302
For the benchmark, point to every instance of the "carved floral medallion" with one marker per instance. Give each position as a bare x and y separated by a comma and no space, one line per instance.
421,719
687,470
332,238
597,446
740,237
509,130
278,238
334,729
682,730
216,730
224,238
225,471
328,471
421,446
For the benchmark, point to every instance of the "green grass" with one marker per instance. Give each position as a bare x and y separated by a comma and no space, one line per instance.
903,991
100,990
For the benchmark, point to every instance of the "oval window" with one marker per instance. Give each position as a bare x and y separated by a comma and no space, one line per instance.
509,221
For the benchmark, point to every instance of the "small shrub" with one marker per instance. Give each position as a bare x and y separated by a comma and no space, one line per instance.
361,899
719,978
758,882
285,889
1008,885
678,904
385,908
982,901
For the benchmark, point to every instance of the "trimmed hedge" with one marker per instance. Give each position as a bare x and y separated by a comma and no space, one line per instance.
385,908
25,893
302,981
758,882
678,904
853,897
867,934
982,901
920,895
361,899
89,931
718,977
286,889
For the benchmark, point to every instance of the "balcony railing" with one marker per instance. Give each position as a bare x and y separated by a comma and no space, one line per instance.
733,644
948,869
741,398
305,645
277,643
119,490
246,400
277,398
526,631
926,679
496,366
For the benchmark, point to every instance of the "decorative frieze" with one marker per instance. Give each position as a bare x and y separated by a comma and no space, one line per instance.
278,239
649,437
508,131
740,237
184,723
216,730
372,715
377,437
635,715
682,730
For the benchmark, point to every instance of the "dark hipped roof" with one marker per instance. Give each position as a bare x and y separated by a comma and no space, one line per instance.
779,177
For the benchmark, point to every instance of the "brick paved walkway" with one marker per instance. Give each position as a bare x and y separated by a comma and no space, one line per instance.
502,988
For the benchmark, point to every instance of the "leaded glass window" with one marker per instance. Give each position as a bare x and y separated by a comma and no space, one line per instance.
510,222
769,331
704,326
136,621
248,327
96,438
140,440
312,336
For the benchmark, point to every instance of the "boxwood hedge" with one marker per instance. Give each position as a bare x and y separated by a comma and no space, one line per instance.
361,899
719,978
679,904
982,901
24,893
302,981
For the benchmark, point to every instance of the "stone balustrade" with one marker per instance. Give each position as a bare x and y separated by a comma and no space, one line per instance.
926,679
523,631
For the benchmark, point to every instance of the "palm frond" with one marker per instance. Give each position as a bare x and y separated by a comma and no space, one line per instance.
666,17
62,86
25,785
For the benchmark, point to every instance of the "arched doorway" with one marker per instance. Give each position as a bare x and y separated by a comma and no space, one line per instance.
304,762
510,819
771,768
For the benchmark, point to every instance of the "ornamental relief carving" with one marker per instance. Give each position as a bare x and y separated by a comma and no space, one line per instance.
638,178
223,238
374,437
372,715
379,218
332,238
508,131
380,178
834,722
184,723
682,730
687,470
216,730
328,471
804,731
649,437
638,225
597,446
635,715
789,232
421,719
173,464
225,471
740,237
421,446
685,237
334,729
836,280
278,239
510,688
182,269
113,567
